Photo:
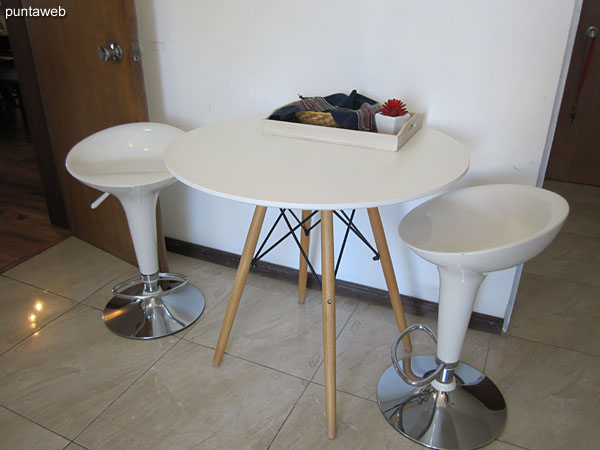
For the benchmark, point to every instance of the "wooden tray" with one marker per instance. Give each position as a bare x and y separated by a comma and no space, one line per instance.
342,136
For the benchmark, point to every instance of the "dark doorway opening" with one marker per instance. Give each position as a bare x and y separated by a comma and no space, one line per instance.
25,227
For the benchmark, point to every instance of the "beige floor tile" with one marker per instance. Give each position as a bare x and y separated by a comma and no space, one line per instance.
569,257
584,204
363,348
499,445
181,263
65,375
272,328
276,284
360,425
102,296
73,269
25,310
19,433
74,446
213,280
184,402
557,312
551,394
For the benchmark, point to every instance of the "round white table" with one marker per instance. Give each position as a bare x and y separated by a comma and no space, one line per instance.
235,160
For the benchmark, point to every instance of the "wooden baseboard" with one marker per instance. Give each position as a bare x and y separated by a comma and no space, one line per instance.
412,305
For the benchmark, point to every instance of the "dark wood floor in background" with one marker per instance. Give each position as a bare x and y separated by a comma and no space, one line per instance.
25,229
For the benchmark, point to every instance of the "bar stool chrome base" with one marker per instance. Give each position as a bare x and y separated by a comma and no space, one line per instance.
468,417
154,306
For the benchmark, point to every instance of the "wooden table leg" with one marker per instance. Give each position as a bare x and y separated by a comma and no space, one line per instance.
305,244
328,295
388,272
240,281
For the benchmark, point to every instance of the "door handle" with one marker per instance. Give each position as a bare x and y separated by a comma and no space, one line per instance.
112,51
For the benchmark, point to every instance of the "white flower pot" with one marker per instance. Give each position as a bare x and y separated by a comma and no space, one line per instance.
390,125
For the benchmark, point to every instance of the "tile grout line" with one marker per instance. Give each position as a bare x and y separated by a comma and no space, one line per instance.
347,321
288,415
346,392
95,292
33,421
39,329
487,353
354,395
557,278
125,390
553,345
76,443
319,367
514,445
81,302
184,338
40,288
93,307
248,360
268,367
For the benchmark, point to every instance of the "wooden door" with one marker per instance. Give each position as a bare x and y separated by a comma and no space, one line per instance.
575,154
81,94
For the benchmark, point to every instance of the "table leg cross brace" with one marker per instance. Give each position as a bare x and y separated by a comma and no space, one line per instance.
343,217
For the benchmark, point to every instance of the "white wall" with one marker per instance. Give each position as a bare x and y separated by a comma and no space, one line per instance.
485,72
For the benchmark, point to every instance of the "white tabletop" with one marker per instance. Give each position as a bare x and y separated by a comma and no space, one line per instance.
235,160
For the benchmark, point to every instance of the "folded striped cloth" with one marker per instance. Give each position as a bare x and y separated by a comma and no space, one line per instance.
354,111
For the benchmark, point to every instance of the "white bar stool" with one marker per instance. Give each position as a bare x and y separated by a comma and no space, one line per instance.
127,162
438,401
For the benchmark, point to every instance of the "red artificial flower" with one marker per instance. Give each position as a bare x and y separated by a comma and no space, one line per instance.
394,108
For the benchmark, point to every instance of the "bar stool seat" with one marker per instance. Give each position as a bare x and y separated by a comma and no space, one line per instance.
438,401
127,161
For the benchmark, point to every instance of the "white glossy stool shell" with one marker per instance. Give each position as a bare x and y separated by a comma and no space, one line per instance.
127,161
466,233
